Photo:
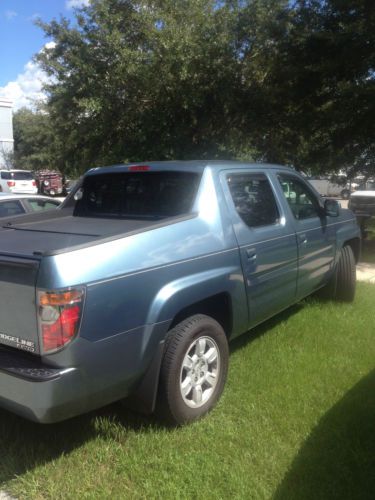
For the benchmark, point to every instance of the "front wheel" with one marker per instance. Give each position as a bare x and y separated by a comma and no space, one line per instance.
345,194
193,371
342,285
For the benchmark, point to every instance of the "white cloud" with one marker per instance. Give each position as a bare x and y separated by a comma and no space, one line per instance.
27,88
35,17
10,14
76,4
49,45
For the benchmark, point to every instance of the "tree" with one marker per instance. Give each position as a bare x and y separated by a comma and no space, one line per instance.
7,157
264,79
143,80
327,104
33,140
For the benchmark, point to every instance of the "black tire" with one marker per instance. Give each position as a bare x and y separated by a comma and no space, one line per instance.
346,275
345,194
343,282
183,340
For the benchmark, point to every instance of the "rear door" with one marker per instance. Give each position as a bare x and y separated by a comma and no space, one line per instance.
267,242
316,235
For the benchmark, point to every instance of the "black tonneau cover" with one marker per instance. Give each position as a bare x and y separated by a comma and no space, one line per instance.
57,231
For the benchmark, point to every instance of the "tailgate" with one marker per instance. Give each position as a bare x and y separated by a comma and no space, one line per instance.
18,321
23,185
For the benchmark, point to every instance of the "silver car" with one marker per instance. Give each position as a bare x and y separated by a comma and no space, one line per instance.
11,204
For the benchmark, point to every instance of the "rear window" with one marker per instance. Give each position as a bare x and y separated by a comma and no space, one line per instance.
17,176
139,194
9,208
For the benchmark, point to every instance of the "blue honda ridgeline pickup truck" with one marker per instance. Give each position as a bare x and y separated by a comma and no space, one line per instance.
133,288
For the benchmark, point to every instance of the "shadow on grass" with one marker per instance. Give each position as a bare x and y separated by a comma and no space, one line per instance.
26,445
263,328
338,458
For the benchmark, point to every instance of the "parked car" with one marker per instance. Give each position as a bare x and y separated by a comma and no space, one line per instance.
362,204
12,204
17,181
50,182
135,286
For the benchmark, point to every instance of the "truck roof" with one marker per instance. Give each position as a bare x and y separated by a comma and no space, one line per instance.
189,166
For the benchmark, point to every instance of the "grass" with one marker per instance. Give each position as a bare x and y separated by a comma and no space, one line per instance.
296,421
368,245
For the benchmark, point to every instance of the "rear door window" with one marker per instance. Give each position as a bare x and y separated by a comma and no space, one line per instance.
253,199
38,205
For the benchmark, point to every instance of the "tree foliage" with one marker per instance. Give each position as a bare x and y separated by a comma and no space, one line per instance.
33,138
331,64
249,79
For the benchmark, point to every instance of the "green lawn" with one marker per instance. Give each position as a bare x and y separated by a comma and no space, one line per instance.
297,421
368,245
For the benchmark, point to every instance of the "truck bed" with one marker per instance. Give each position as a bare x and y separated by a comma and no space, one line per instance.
52,233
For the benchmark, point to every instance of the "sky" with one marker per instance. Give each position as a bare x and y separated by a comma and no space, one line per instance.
20,77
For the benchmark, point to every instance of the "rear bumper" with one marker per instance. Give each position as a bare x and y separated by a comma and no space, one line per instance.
103,372
364,212
363,218
40,393
23,190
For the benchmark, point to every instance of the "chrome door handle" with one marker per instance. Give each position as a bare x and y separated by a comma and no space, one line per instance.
302,238
251,254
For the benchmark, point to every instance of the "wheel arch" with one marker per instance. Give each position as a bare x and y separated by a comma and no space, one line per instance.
219,293
218,306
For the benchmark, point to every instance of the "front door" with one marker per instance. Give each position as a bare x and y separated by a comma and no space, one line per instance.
316,238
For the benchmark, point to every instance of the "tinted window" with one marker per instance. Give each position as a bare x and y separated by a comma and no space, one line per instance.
301,200
9,208
139,194
253,199
17,176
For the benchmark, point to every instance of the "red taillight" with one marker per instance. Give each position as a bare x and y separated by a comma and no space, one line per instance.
139,168
59,317
33,183
11,184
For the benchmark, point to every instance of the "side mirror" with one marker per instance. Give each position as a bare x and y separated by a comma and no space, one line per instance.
332,208
78,194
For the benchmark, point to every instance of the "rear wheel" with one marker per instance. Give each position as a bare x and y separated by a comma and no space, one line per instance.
193,371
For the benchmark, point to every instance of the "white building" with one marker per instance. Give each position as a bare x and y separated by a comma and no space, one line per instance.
6,131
